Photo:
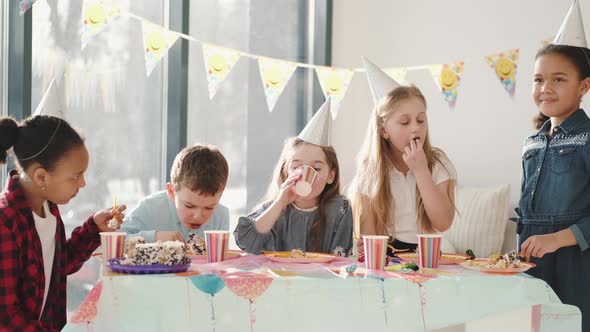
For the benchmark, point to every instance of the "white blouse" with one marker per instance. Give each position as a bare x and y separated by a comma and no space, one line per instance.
403,190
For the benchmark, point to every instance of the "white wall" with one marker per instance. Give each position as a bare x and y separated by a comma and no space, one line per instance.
483,135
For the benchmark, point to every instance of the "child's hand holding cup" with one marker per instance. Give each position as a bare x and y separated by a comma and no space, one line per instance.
304,185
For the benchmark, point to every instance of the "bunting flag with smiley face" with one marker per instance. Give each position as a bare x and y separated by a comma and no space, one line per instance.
275,75
26,5
504,64
156,42
96,15
219,61
334,83
448,78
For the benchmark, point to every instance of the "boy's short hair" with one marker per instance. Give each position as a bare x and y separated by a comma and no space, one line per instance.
200,168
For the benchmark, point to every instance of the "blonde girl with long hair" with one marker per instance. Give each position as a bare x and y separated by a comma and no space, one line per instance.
403,186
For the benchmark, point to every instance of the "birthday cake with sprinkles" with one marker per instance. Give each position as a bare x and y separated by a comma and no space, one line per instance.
137,252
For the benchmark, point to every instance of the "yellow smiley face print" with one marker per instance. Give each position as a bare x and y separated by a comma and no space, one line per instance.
95,16
156,42
505,68
217,64
272,76
334,84
448,79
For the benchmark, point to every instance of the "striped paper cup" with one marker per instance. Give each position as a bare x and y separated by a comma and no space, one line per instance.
217,243
308,176
113,245
429,250
375,251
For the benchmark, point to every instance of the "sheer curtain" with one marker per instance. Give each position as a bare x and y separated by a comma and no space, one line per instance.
105,93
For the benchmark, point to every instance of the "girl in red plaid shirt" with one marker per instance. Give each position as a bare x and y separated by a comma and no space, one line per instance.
35,257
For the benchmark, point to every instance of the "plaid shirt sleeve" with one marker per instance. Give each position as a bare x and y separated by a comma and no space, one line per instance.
12,317
84,240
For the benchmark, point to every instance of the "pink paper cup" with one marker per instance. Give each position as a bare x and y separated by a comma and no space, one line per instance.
217,243
304,186
429,250
113,245
375,251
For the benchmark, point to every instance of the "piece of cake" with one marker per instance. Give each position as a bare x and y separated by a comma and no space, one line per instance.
130,245
196,244
297,253
165,253
507,261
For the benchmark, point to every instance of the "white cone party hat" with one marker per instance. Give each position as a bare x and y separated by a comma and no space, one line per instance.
381,83
571,32
51,104
318,130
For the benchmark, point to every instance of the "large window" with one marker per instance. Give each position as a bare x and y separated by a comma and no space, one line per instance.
237,119
106,94
3,72
123,114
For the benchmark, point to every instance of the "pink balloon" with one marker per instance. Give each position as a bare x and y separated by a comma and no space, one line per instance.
247,284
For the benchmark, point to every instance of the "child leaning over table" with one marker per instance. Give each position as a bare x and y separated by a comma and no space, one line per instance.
190,203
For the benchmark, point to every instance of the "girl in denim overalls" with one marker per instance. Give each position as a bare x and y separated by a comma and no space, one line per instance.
554,208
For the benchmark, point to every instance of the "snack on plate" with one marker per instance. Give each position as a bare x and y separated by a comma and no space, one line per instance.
297,253
507,261
130,245
165,253
197,244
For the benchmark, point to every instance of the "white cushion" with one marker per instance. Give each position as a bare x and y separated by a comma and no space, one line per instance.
481,220
446,246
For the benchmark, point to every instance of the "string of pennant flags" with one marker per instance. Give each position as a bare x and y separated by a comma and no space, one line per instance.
276,73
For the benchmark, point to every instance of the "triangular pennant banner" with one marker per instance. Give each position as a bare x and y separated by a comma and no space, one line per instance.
26,5
219,61
96,16
504,64
398,74
334,83
274,74
448,78
156,42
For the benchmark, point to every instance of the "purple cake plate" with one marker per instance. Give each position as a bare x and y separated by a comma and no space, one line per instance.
146,269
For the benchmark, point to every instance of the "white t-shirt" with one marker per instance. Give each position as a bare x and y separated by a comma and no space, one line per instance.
403,190
46,230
